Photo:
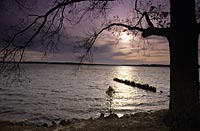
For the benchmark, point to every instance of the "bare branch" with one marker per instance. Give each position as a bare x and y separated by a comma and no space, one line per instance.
48,22
148,19
136,7
88,43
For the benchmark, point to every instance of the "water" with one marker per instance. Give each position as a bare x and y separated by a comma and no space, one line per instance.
55,92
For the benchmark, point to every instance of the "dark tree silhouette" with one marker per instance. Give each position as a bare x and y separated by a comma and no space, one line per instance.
182,35
178,24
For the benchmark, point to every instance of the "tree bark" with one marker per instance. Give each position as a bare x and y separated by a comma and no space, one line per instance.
184,76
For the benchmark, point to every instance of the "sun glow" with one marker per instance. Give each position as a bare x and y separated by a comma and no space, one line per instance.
125,37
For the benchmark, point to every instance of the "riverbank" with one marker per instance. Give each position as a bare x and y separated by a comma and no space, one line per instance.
144,121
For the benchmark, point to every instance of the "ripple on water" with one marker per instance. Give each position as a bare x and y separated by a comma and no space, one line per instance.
56,91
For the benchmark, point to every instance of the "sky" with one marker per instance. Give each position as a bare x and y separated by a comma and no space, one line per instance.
109,48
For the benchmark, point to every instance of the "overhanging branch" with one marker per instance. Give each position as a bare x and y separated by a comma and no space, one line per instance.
156,31
145,33
43,20
122,25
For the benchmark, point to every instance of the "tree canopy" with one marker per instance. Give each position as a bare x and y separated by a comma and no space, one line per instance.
48,25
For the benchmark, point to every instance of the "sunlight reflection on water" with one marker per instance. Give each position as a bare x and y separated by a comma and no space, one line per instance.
126,98
131,99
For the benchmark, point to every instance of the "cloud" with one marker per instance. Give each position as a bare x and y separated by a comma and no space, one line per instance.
128,53
107,48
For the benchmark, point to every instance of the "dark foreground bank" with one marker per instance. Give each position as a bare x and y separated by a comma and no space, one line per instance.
145,121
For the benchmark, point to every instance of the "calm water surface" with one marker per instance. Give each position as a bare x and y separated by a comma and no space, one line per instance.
55,92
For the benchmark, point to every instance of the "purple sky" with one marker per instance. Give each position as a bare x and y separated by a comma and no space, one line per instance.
107,49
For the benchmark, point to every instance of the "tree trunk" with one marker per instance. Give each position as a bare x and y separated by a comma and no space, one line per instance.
184,76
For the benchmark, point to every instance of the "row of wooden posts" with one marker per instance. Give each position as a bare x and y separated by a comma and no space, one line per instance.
134,84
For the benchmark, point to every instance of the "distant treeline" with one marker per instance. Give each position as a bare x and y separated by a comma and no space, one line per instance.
77,63
98,64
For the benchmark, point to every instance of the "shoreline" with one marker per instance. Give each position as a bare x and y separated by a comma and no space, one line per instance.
142,121
87,64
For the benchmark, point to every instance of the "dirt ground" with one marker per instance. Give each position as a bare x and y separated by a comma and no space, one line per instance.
145,121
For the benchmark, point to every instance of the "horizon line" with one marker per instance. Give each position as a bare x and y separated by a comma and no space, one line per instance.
86,63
